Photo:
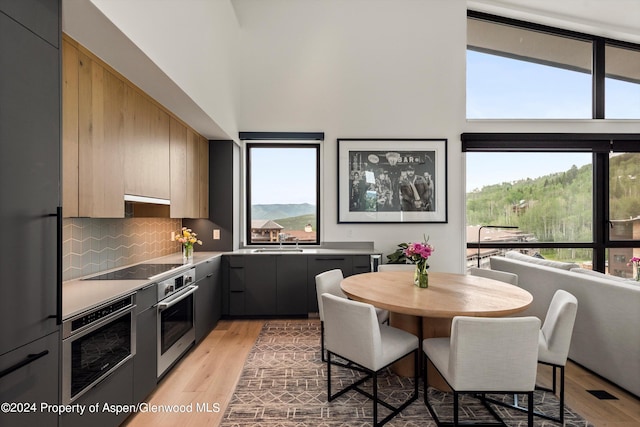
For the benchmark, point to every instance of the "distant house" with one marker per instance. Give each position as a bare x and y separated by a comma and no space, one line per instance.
493,235
265,230
625,229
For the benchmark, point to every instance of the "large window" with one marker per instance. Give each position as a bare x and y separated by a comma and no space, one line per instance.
567,197
570,197
622,84
283,193
515,72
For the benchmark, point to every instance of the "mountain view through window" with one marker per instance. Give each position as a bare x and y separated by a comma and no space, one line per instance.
283,193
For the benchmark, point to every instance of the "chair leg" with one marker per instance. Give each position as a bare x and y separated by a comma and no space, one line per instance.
322,341
561,417
530,409
456,407
328,376
553,389
375,399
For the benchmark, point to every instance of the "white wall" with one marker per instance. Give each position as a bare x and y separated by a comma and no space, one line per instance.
361,69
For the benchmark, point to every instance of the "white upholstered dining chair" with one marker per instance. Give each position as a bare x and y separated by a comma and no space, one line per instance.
485,355
553,345
354,333
502,276
329,282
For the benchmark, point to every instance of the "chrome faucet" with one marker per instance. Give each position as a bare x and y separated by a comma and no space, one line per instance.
281,237
296,240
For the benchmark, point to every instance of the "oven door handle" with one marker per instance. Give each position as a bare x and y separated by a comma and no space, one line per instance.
174,300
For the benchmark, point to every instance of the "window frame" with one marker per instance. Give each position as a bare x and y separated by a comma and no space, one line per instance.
600,145
599,44
280,140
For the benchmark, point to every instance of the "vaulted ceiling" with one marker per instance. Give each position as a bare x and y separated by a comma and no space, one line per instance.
617,19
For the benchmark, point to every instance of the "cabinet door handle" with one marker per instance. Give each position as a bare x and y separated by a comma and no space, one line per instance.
29,359
210,274
330,259
58,314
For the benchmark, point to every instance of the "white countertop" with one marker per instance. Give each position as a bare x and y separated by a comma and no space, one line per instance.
80,295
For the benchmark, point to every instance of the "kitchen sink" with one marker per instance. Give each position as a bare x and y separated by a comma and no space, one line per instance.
276,250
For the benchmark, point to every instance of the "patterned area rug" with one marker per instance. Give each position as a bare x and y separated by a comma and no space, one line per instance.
284,384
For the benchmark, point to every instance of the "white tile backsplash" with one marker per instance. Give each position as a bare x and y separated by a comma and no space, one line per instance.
91,245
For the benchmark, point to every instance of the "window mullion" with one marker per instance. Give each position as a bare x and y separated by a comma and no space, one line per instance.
598,76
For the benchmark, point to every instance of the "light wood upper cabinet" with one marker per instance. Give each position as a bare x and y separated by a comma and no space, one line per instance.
117,140
146,148
101,98
178,168
189,173
203,181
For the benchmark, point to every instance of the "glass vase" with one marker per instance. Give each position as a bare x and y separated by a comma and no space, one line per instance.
421,276
187,254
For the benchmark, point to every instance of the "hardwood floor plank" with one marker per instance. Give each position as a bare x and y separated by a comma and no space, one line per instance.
206,378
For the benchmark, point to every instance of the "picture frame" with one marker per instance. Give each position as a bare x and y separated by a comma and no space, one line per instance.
392,180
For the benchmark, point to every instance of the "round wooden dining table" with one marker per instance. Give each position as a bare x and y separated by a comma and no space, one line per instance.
428,312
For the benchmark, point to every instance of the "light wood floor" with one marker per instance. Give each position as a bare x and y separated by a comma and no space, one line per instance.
207,377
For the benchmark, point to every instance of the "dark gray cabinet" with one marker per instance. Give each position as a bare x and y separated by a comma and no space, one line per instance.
30,196
208,297
29,375
360,264
39,16
29,179
260,285
233,285
266,285
280,285
145,361
291,289
116,389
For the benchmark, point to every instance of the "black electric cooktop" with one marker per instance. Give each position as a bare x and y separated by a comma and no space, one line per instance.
136,272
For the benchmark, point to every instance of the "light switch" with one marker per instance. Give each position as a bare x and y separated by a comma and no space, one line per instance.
216,234
173,236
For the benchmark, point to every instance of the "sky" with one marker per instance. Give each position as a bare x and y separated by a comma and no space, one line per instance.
283,175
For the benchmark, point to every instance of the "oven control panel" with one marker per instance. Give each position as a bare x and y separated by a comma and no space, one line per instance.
97,314
173,284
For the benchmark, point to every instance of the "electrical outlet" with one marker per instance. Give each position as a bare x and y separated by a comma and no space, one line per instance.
216,234
173,236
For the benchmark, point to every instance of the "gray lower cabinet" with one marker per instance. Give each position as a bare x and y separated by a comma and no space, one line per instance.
280,285
208,297
260,285
116,389
144,362
360,264
233,285
29,379
291,289
266,285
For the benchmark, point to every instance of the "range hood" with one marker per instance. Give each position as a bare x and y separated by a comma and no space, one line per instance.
145,207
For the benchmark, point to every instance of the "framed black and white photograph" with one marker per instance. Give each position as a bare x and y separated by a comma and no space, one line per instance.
392,180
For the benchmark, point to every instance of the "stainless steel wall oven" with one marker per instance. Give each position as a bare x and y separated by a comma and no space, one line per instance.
176,309
95,344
